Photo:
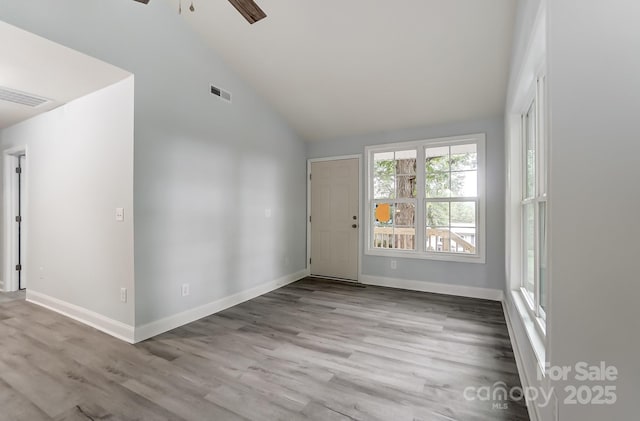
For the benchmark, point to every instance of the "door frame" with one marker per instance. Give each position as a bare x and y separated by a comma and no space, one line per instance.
10,244
360,220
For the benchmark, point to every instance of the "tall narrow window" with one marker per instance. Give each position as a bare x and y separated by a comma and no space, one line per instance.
534,205
394,186
528,200
451,199
425,199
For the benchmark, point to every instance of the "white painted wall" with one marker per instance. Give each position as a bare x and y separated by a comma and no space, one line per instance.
80,169
205,170
527,14
485,276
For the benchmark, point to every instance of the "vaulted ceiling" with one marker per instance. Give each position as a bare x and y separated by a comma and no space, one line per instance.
337,68
331,68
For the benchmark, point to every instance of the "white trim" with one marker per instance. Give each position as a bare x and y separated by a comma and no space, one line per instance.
10,161
157,327
529,322
434,287
335,158
360,205
524,378
532,299
411,254
130,334
105,324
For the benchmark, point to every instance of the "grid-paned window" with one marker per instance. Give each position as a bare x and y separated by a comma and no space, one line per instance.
451,198
394,203
534,204
425,199
528,200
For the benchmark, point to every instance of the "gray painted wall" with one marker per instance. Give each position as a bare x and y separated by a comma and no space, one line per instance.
489,275
205,170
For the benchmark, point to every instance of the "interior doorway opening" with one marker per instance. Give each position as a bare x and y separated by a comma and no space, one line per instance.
15,222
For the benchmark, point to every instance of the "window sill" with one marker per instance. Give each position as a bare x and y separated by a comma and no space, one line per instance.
536,339
445,257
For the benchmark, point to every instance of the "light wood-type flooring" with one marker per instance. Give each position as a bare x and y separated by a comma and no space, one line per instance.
313,350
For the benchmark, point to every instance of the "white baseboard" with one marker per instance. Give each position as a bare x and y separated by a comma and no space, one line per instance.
130,334
157,327
112,327
438,288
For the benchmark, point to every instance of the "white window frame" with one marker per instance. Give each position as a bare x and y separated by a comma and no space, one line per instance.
420,224
531,65
540,196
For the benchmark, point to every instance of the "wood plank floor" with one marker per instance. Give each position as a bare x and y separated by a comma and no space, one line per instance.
313,350
5,297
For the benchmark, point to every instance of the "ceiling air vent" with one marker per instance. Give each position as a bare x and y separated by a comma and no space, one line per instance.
221,93
22,98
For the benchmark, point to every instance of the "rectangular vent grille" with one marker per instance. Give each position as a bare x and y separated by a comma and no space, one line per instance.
22,98
221,93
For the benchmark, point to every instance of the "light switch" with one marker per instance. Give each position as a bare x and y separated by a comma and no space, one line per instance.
267,213
119,214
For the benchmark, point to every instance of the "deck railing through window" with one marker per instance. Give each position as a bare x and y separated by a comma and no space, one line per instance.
437,239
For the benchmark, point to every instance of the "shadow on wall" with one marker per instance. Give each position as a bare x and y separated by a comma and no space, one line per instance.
231,219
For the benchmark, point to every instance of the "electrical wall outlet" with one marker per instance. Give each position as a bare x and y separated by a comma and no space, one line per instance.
119,214
394,264
123,295
185,290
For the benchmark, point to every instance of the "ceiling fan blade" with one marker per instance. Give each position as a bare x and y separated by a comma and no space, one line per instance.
142,1
249,9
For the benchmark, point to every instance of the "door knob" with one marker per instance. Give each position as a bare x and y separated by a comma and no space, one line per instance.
354,226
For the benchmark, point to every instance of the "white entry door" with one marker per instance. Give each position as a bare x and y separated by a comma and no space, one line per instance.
334,218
